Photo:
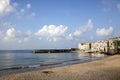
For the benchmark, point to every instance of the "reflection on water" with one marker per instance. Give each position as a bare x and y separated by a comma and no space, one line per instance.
24,58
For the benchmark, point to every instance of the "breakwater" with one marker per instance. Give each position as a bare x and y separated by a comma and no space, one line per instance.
55,50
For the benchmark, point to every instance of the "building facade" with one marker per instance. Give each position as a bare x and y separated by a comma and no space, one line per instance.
110,46
84,46
100,46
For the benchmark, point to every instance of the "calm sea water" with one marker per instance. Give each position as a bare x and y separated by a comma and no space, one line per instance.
25,58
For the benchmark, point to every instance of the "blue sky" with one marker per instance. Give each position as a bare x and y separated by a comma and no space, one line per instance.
38,24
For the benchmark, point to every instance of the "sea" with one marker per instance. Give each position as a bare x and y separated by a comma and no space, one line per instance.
16,61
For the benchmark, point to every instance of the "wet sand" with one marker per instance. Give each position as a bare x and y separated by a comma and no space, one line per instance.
105,69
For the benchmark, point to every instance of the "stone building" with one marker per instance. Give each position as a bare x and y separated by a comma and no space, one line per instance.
100,46
110,46
84,46
114,46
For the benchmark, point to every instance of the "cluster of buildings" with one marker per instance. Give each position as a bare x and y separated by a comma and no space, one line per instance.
110,46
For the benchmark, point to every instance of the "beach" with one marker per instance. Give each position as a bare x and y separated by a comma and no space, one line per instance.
105,69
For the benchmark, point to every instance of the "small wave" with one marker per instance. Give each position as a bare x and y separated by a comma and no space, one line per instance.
32,66
51,64
47,64
29,66
19,67
13,68
39,65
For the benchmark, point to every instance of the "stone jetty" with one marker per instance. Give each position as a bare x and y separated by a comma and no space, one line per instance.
55,50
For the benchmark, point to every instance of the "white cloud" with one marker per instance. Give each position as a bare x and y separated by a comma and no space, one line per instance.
84,28
104,32
28,5
88,26
22,10
70,37
15,35
20,13
118,6
10,33
5,7
52,32
21,37
23,13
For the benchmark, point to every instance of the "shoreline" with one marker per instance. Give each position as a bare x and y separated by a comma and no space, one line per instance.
29,68
104,69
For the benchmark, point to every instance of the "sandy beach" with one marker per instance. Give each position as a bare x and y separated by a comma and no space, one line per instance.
105,69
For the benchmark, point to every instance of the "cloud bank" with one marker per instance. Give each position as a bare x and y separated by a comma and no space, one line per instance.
5,7
104,32
16,36
52,32
88,26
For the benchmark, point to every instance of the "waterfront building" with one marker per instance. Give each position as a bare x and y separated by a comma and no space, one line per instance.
114,46
100,46
110,46
84,46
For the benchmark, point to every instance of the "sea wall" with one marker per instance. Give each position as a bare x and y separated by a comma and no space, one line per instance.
54,50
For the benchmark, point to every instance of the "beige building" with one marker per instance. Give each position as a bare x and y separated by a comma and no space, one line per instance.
84,46
100,46
110,46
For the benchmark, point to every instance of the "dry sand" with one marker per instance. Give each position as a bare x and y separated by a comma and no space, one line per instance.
105,69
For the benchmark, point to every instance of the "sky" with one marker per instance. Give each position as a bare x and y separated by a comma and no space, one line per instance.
43,24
